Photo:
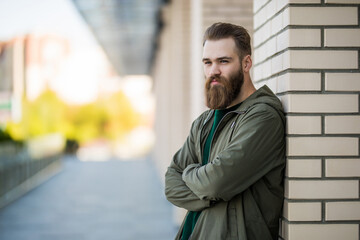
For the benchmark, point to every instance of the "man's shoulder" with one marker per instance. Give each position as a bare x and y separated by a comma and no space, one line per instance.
264,110
204,117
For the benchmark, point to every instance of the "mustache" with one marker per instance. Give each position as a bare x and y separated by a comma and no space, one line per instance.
215,78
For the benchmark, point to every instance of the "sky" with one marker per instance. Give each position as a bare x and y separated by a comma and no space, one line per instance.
80,78
60,17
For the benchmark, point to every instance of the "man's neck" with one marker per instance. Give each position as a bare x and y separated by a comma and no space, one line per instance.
247,89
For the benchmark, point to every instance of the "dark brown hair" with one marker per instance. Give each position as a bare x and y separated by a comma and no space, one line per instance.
240,35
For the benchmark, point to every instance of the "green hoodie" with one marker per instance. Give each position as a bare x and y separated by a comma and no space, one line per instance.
240,190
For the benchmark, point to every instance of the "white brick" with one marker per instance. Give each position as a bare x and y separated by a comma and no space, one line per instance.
299,82
277,64
259,4
298,38
343,1
259,84
266,69
335,211
323,59
270,9
322,189
342,124
270,47
265,50
342,167
259,18
323,146
280,4
256,57
304,125
276,24
303,168
282,40
262,34
302,211
323,16
285,18
321,231
286,60
342,37
272,84
261,56
305,38
342,81
320,103
257,73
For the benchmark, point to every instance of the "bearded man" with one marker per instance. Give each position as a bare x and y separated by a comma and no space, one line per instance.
229,172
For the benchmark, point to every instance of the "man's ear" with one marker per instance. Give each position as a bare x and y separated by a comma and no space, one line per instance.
247,63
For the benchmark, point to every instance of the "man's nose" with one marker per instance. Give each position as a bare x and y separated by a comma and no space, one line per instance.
215,70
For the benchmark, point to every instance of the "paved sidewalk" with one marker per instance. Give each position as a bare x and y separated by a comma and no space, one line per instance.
111,200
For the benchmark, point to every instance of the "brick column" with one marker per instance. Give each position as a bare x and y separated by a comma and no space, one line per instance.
171,83
307,52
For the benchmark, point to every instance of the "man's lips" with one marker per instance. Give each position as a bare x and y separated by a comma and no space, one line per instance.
214,81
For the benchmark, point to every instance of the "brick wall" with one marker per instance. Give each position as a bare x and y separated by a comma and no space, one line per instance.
307,52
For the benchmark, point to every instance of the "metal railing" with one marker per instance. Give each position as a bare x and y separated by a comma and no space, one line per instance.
20,172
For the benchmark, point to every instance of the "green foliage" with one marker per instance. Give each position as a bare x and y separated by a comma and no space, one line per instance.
120,116
110,117
4,136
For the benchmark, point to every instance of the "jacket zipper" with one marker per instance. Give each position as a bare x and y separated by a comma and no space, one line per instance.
232,125
201,132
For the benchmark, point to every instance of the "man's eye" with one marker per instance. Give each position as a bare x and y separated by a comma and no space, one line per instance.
207,63
224,61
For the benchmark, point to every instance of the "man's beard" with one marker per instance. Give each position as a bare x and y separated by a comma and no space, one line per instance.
222,94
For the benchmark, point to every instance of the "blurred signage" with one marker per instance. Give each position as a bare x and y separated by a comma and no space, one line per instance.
5,116
5,107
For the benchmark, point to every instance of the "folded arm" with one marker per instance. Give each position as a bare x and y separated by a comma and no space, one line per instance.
249,156
176,191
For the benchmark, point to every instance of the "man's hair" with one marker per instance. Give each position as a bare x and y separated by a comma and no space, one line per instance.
240,35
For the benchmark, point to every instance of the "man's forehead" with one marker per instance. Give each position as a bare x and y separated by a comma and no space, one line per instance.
219,48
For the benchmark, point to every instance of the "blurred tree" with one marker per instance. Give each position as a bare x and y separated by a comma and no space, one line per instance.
110,117
86,121
43,116
121,116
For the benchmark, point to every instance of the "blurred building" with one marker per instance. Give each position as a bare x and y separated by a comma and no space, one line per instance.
45,56
28,65
12,79
125,29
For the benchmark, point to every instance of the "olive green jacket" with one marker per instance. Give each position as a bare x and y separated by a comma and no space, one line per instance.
240,190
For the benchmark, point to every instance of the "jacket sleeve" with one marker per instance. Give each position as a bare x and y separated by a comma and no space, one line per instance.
254,150
176,190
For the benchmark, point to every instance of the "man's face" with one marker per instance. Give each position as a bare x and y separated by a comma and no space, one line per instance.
223,73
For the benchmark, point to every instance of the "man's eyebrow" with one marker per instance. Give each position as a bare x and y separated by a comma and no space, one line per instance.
219,58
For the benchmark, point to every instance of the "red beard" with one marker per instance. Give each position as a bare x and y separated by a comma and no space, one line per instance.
222,94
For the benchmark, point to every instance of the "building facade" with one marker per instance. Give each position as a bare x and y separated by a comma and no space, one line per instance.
28,65
307,52
12,79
